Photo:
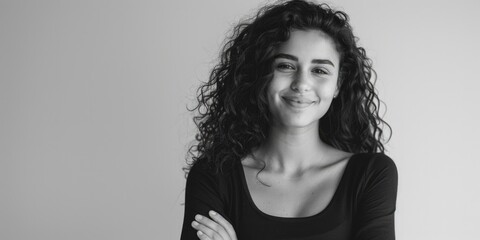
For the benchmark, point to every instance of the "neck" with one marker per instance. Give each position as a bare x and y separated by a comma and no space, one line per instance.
290,151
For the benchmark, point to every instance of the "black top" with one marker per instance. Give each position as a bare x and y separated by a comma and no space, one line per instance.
362,206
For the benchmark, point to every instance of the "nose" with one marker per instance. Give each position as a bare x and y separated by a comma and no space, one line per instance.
301,82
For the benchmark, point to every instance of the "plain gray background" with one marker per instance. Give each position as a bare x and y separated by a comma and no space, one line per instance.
94,128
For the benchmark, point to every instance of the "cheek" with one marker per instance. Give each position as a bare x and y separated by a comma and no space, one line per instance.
326,90
270,94
327,93
274,88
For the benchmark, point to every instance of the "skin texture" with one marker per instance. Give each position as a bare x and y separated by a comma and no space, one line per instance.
304,83
304,80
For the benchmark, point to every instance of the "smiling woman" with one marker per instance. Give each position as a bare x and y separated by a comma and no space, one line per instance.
289,143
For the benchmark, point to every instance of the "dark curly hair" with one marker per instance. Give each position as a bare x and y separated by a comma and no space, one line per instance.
233,114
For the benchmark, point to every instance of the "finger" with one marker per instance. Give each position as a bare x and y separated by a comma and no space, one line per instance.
224,223
214,226
202,236
203,232
210,228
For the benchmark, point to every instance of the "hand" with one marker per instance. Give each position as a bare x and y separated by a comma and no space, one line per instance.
217,229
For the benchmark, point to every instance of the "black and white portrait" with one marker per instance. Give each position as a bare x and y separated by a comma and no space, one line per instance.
281,116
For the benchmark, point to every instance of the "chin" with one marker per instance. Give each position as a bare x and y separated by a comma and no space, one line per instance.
298,123
287,118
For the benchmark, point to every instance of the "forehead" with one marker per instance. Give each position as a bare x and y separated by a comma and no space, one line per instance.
310,44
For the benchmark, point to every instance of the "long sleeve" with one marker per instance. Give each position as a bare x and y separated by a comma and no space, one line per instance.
376,206
202,194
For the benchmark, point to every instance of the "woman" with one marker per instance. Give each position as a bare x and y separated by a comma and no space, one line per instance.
289,143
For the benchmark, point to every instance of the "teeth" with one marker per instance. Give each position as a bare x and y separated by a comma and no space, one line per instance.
298,101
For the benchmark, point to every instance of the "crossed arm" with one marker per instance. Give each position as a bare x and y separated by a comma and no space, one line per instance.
204,217
216,228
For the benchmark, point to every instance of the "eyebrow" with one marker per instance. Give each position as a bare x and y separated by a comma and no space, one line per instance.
293,58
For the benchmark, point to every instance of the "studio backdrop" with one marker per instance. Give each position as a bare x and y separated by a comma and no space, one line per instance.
94,126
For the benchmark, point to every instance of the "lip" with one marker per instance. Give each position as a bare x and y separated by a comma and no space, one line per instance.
298,102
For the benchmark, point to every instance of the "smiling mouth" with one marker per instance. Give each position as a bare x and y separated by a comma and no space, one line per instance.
298,102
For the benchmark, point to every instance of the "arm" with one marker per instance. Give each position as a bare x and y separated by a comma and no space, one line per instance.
376,204
202,194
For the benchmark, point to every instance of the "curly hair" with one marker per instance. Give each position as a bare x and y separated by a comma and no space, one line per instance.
233,114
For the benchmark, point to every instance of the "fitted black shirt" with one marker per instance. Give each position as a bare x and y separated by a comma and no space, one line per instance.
362,206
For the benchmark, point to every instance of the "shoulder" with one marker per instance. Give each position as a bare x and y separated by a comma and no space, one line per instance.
201,170
204,182
374,161
375,195
374,170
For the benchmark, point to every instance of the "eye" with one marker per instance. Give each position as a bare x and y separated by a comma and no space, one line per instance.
285,67
320,71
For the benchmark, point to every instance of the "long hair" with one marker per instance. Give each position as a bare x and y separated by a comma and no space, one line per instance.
233,115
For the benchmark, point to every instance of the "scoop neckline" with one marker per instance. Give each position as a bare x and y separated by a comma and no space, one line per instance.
340,186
